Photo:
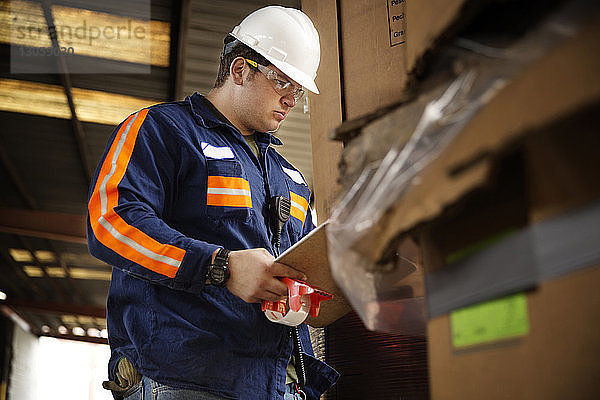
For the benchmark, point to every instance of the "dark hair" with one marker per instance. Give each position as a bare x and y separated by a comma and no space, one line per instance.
233,48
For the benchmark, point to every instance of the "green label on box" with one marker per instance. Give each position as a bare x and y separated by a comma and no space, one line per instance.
490,321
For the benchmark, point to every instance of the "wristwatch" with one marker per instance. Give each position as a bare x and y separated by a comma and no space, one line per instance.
218,271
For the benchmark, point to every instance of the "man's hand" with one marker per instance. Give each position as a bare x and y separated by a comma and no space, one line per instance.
254,274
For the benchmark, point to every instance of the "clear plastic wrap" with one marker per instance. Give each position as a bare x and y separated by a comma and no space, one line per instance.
388,294
370,291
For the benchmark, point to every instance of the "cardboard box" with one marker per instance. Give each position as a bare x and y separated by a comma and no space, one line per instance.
379,44
551,173
529,155
325,108
368,50
557,359
559,83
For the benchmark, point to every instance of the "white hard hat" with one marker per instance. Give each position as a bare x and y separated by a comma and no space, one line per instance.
287,38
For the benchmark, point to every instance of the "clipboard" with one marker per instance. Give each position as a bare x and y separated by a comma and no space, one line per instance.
310,256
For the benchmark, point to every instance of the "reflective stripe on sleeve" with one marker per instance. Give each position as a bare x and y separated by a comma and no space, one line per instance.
108,227
299,207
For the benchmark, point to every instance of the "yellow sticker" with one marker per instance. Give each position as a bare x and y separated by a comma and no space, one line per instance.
491,321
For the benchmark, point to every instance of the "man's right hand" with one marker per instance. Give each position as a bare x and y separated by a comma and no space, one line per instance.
254,274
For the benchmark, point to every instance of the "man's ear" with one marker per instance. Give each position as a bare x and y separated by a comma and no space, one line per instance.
236,70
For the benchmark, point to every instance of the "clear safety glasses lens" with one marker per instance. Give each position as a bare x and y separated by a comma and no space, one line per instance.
282,86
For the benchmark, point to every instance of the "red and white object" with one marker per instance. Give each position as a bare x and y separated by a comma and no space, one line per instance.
302,300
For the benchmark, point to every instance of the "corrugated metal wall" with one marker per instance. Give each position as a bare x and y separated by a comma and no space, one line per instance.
375,365
209,23
23,365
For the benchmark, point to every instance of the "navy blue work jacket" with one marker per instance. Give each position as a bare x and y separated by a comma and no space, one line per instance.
175,183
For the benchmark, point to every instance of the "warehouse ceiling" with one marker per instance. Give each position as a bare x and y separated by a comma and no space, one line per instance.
57,114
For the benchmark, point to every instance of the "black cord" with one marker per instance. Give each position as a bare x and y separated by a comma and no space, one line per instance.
280,208
299,358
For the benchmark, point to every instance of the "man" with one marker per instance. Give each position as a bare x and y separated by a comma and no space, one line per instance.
183,206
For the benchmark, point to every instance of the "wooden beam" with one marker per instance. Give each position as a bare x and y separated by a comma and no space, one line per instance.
24,97
43,224
151,48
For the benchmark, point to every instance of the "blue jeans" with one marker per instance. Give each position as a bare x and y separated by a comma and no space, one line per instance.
147,389
291,393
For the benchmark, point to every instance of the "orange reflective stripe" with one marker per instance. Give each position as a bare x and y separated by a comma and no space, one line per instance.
224,200
299,207
227,182
109,228
225,191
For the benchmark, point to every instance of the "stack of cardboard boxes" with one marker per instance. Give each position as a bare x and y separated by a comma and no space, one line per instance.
507,212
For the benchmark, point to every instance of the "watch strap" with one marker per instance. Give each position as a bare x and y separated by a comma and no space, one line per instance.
222,257
219,264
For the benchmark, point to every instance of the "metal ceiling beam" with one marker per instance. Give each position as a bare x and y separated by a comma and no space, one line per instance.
74,288
22,322
57,291
45,307
16,179
65,79
89,339
32,324
43,224
10,284
18,270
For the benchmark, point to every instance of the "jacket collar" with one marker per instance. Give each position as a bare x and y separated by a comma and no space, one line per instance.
210,117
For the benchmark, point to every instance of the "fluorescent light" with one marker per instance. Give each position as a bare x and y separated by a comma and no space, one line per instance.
34,272
56,272
2,295
45,256
93,332
50,101
75,273
19,255
85,320
69,319
78,331
92,274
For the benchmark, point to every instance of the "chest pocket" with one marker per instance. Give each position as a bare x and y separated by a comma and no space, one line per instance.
228,193
299,196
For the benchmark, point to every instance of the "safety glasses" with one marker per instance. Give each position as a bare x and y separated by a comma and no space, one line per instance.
282,86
